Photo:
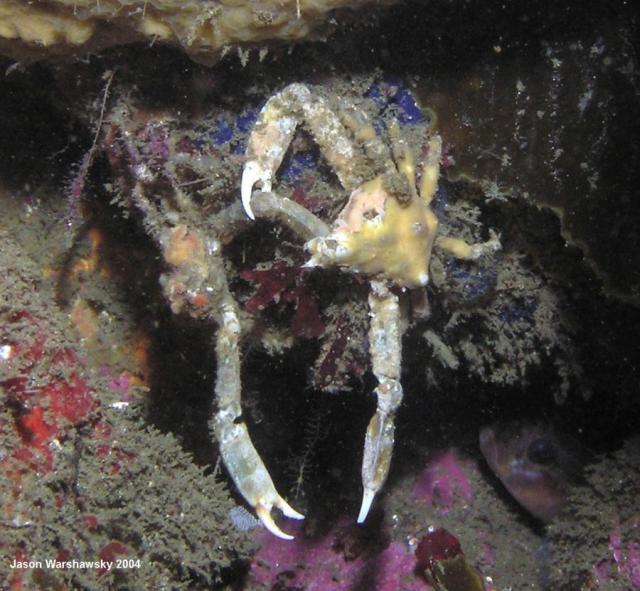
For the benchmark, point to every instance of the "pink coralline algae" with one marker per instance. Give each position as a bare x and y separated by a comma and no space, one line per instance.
46,394
626,556
44,409
322,564
443,481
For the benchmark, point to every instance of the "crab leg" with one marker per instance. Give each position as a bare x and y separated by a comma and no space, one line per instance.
385,342
238,453
231,220
201,272
273,133
469,252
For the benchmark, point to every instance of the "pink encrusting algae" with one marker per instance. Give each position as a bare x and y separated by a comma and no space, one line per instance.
320,564
626,557
442,481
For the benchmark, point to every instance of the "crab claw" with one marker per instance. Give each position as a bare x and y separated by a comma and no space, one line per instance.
263,511
252,174
245,467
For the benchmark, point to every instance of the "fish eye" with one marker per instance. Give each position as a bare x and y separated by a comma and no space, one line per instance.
542,451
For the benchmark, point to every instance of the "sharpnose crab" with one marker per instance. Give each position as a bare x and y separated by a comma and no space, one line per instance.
385,231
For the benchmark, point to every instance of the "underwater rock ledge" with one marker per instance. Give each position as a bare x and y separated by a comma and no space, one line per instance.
204,30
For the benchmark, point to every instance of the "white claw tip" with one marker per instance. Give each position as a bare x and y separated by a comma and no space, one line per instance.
250,175
367,499
288,510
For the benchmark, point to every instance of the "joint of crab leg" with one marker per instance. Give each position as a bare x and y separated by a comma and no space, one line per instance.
233,218
326,251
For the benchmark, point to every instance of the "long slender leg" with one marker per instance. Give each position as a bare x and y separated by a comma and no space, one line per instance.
385,343
198,274
238,453
230,221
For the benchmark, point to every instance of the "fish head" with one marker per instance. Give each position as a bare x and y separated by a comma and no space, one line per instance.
538,466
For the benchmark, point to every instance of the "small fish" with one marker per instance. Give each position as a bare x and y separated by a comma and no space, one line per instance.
537,465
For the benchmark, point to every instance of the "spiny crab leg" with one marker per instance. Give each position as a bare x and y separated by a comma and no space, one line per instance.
273,133
238,453
385,343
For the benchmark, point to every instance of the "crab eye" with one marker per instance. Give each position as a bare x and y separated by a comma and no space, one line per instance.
542,451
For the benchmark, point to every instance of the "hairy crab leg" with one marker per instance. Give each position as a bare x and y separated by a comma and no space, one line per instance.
273,133
385,342
238,453
204,271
